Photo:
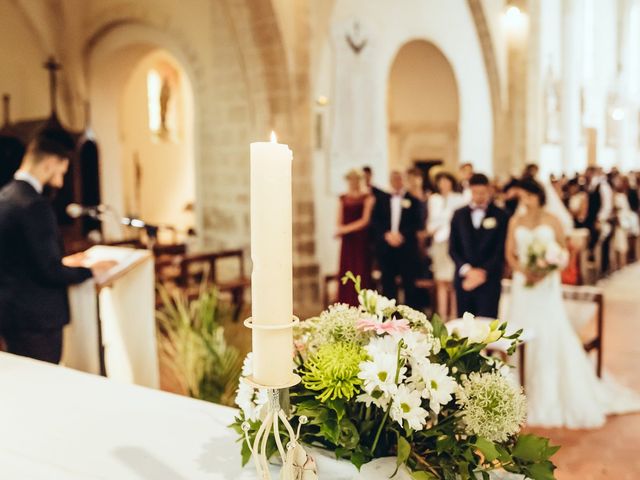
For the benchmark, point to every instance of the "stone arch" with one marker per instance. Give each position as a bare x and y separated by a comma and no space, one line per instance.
423,106
109,57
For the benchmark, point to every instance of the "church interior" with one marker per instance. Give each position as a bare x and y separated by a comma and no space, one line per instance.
163,100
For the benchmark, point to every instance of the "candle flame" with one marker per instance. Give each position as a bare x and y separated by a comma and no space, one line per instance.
274,138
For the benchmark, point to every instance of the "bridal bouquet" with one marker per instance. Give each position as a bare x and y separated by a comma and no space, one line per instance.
543,258
381,380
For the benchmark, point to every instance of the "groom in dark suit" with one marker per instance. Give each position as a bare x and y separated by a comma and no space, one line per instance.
395,223
476,245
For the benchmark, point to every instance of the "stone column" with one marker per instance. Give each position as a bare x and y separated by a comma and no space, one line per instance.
570,102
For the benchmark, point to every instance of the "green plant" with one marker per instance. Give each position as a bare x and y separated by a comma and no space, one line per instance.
191,339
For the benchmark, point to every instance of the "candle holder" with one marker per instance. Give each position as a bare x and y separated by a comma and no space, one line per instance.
293,457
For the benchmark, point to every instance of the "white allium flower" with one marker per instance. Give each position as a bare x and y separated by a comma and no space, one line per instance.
435,384
492,406
414,316
247,365
407,406
380,373
250,400
375,303
376,397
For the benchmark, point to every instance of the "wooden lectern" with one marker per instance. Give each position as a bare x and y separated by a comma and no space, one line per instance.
112,330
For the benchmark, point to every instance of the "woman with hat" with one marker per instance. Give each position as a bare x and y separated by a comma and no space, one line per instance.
354,214
441,208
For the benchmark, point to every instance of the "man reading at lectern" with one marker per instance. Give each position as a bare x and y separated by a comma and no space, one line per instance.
33,279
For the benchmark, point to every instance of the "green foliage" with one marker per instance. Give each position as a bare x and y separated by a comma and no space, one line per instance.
361,429
191,338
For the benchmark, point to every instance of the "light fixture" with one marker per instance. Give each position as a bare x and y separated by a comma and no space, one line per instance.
514,19
617,113
322,100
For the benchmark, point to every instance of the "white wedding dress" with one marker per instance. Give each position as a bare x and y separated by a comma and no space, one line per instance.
562,387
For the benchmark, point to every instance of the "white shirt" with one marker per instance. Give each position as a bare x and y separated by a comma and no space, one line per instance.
396,210
477,216
30,179
441,210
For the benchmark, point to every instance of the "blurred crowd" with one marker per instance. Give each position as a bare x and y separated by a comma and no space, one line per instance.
399,235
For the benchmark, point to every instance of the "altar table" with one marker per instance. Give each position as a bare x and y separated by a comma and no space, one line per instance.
61,424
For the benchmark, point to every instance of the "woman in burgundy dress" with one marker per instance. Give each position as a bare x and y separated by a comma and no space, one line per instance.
354,214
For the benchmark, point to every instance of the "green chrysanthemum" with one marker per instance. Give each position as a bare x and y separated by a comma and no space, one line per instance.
492,407
333,371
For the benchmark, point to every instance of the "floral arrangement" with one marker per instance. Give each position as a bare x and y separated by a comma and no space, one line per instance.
543,258
381,380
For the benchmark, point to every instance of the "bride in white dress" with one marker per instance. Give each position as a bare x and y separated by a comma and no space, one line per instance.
562,388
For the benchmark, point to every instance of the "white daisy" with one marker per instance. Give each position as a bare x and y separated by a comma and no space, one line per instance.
436,384
418,346
384,345
250,400
380,373
376,397
247,365
407,406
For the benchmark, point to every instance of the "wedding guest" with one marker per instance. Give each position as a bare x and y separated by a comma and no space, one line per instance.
354,215
33,277
626,220
578,202
442,206
368,181
476,245
511,192
465,172
599,212
395,222
415,186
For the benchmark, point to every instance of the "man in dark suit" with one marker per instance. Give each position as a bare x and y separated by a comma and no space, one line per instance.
476,245
33,279
395,222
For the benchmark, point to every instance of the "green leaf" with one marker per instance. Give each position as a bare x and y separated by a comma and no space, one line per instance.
337,406
404,450
532,448
541,471
487,448
422,475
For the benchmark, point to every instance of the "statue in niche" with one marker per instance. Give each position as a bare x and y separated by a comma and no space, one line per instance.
552,108
165,97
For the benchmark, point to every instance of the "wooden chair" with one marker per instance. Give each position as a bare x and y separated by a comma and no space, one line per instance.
582,302
196,268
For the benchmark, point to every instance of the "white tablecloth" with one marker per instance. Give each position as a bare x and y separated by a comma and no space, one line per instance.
61,424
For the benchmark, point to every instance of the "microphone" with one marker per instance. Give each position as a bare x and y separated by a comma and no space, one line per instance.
75,210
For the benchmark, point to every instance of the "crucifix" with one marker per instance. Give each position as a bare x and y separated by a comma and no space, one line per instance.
52,66
355,40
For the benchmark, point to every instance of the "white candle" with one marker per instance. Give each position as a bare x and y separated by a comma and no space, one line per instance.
271,252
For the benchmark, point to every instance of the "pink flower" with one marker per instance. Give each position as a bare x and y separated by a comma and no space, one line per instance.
390,326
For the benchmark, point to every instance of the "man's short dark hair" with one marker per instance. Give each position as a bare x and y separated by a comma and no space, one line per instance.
51,141
479,179
367,169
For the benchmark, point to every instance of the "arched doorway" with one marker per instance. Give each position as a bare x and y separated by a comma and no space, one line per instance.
422,107
142,100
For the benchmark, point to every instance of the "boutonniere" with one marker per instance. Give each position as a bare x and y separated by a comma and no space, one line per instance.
406,203
489,223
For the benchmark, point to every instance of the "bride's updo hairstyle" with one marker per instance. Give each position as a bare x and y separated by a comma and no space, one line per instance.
529,185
